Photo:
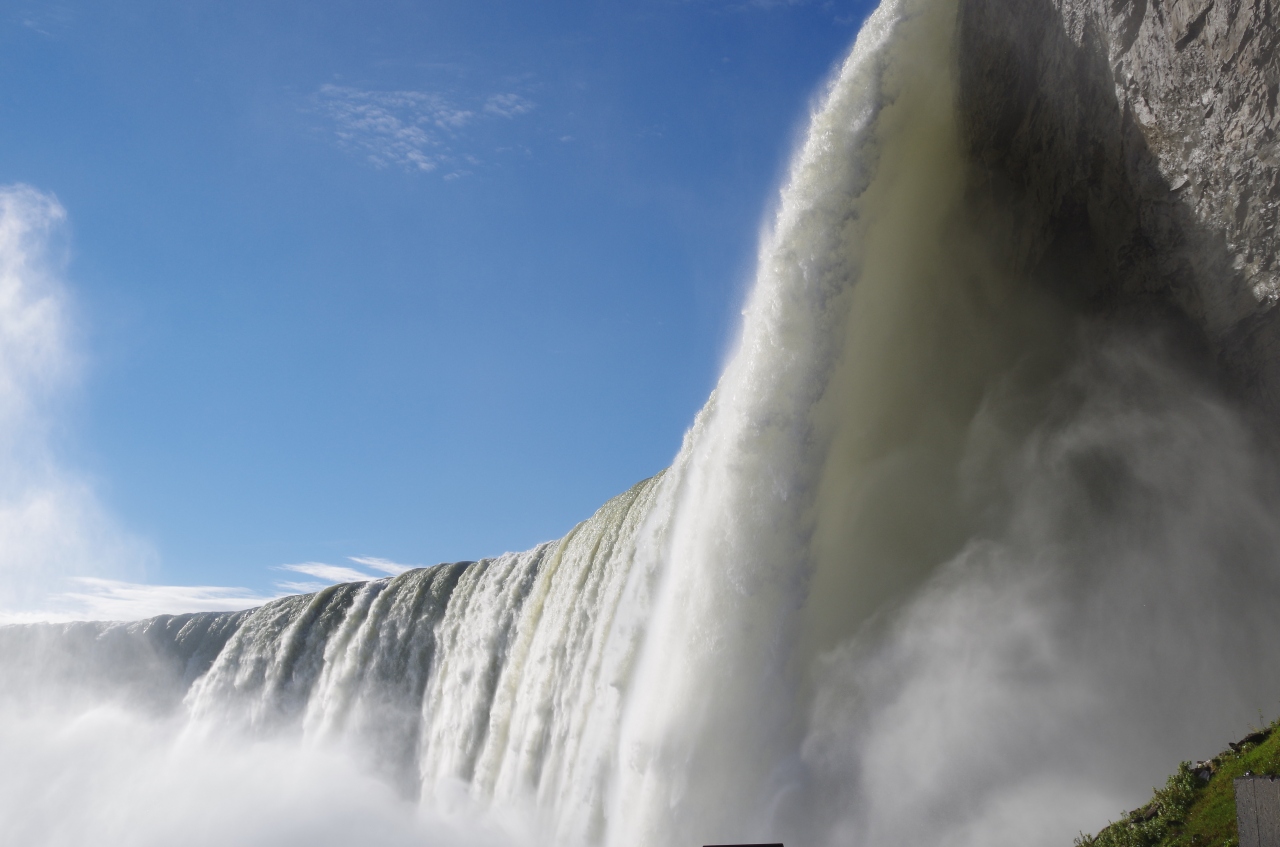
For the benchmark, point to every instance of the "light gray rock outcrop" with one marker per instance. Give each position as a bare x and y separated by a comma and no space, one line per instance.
1136,143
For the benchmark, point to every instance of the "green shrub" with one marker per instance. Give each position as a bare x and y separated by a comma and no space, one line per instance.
1197,806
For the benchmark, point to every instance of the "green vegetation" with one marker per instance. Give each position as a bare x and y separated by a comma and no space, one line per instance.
1197,806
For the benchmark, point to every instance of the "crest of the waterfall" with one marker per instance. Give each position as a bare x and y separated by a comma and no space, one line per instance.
824,399
490,686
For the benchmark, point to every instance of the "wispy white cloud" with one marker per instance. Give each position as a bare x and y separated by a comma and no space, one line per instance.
828,7
324,574
768,4
405,128
415,130
95,598
385,565
99,598
508,105
47,20
328,574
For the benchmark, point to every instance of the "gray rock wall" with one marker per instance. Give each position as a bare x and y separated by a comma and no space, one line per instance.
1258,811
1135,143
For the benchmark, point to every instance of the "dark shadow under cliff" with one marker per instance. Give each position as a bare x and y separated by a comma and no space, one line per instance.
1067,172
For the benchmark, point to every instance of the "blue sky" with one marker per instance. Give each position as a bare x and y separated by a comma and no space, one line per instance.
416,281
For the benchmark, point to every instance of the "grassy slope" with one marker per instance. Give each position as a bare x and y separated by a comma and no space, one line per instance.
1190,812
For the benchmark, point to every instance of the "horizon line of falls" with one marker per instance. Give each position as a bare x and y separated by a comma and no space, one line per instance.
945,560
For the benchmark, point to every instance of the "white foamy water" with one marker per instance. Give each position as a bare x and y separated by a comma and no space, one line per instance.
940,563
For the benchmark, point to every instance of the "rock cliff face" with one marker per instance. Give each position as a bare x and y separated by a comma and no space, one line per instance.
1136,142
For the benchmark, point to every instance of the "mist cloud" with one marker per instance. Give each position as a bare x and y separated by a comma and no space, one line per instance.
52,525
1119,593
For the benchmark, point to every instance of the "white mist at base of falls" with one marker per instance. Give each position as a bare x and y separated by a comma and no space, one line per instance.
941,562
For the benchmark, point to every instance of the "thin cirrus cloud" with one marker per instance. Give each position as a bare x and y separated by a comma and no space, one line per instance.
324,575
385,565
418,131
99,598
95,598
508,105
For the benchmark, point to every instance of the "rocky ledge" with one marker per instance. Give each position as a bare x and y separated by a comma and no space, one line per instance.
1136,143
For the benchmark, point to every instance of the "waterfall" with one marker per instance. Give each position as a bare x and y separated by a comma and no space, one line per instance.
947,559
501,678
